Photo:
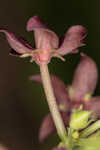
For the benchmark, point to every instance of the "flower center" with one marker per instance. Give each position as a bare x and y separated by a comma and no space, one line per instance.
42,56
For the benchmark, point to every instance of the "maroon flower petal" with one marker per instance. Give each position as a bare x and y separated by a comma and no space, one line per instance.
59,148
94,106
85,78
60,90
17,43
48,127
14,53
72,40
44,38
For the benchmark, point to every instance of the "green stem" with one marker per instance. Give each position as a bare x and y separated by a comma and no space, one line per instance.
52,102
90,129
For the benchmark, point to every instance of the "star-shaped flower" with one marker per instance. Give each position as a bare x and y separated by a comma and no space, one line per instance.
46,42
69,98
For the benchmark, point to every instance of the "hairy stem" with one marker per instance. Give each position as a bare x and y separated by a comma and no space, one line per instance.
52,102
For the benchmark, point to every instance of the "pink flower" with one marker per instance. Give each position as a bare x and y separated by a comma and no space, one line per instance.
46,41
68,98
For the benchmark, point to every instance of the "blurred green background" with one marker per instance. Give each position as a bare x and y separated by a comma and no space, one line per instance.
22,103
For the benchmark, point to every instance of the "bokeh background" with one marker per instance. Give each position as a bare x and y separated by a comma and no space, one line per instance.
22,102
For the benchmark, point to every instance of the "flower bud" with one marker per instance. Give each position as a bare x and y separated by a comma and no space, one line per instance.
79,119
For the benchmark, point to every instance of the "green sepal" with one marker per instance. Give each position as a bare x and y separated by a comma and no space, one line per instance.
80,119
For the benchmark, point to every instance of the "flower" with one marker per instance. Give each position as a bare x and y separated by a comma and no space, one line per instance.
46,41
72,97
